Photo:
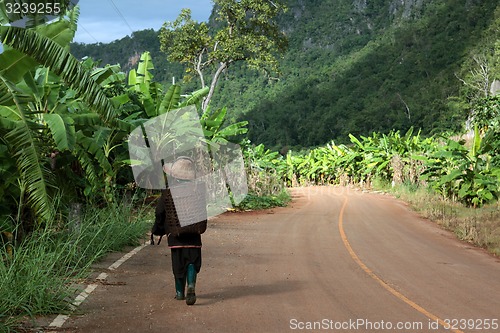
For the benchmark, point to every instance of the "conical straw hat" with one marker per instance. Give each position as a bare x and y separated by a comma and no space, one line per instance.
183,168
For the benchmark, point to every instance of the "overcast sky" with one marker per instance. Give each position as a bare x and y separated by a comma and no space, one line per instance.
101,22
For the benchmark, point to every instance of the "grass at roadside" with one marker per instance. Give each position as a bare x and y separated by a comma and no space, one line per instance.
38,278
478,226
41,274
255,202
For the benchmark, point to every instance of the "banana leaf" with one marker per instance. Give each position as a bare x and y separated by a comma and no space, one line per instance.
61,62
14,65
455,174
231,131
356,141
195,98
62,130
90,146
145,65
170,100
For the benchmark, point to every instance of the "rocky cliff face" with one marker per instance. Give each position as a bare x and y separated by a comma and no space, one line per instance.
342,19
406,9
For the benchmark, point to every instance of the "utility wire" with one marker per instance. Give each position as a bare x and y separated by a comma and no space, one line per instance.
87,32
121,15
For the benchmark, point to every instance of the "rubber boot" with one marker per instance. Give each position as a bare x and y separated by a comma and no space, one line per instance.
191,284
180,284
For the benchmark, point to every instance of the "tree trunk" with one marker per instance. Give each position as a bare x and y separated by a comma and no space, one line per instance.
217,74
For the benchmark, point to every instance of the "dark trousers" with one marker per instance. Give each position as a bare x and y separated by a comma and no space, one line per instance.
182,257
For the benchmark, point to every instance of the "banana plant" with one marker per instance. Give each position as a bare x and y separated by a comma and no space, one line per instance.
463,173
266,170
30,113
150,95
212,124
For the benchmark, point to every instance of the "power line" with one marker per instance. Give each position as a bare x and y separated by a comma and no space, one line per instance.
87,32
121,15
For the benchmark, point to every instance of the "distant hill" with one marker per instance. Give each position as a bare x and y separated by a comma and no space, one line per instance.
352,67
126,52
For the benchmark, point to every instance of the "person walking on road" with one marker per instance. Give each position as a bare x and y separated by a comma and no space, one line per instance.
184,242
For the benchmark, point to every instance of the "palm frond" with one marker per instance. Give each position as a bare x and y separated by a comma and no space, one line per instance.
25,145
96,150
62,130
61,62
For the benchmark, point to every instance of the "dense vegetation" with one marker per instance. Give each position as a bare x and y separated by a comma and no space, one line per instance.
68,195
359,67
354,67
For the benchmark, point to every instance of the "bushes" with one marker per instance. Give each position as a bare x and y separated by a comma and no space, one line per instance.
467,174
38,278
253,201
265,170
464,174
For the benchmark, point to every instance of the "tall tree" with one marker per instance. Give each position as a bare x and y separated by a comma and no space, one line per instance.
245,31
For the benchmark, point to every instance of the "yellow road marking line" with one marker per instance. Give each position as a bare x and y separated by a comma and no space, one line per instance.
374,276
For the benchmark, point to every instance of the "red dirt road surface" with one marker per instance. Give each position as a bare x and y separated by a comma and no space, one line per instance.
335,260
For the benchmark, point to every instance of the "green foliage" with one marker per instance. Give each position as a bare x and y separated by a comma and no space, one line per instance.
351,68
478,226
355,70
61,62
257,202
60,145
184,40
479,71
65,123
245,32
265,170
212,124
32,108
466,174
40,275
487,112
127,51
387,157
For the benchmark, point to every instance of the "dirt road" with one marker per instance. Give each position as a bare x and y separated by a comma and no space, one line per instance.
336,260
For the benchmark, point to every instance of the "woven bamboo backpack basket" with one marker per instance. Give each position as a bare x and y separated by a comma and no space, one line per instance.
187,213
